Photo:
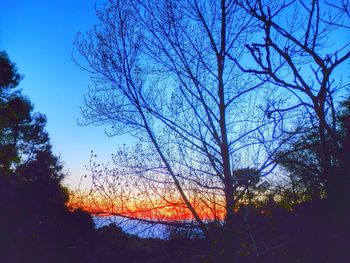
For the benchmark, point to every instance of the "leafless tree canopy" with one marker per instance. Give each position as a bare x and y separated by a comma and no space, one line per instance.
303,49
198,84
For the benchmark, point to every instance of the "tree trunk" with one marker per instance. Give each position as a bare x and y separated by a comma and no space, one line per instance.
229,240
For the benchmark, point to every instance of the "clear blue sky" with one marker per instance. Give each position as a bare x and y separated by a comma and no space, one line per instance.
38,36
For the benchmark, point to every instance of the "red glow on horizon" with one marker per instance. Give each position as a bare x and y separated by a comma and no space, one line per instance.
155,210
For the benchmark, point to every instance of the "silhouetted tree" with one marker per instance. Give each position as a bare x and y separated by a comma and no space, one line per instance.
35,225
162,74
9,78
303,161
21,132
296,51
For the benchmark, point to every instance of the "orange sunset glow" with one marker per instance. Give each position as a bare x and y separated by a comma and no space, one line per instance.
157,209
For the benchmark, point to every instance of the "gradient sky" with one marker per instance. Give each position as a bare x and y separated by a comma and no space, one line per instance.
38,36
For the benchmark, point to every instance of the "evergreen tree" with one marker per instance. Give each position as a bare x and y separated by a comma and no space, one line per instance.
34,221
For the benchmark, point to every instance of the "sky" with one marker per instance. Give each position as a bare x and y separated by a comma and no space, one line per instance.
38,36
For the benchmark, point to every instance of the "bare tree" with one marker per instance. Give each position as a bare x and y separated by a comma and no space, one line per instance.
302,48
162,74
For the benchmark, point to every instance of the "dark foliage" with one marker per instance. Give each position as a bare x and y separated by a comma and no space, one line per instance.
304,160
307,233
9,77
35,225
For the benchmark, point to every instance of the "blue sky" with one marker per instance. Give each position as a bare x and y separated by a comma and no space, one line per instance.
38,36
